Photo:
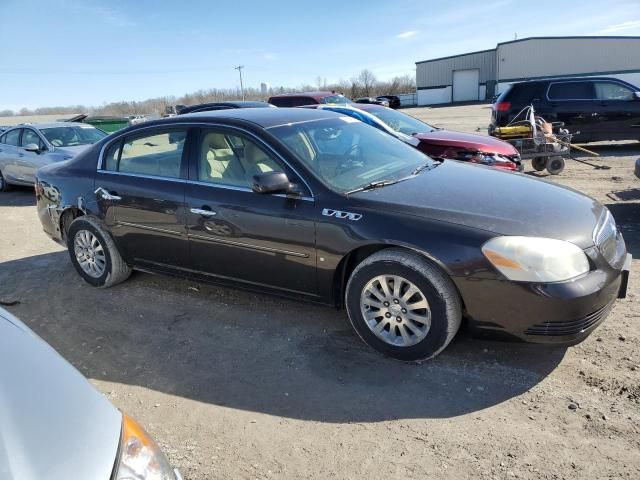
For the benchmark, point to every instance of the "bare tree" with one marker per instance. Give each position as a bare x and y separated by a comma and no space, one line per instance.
367,80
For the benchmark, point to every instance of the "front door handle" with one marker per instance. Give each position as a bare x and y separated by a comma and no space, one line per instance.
106,195
203,212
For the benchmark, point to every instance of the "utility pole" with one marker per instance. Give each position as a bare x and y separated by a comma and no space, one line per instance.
239,68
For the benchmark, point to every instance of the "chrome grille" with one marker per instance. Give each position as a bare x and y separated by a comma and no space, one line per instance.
608,238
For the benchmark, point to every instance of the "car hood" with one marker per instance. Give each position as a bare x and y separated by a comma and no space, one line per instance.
72,151
481,143
53,423
489,199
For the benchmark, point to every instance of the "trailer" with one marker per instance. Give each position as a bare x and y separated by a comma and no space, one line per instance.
545,144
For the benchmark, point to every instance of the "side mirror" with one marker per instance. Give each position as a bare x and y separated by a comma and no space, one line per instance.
272,182
32,147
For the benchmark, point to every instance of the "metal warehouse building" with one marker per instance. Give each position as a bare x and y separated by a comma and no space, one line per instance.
481,75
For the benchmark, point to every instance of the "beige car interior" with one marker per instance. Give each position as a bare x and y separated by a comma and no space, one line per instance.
219,163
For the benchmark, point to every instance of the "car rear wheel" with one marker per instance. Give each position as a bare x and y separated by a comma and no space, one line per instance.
4,186
403,305
94,254
539,163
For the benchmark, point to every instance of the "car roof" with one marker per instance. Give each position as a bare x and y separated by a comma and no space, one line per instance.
265,117
38,126
316,94
231,104
568,79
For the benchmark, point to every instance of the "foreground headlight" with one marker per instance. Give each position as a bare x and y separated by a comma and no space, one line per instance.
532,259
140,457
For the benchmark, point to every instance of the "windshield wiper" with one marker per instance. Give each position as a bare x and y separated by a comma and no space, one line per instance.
373,186
426,166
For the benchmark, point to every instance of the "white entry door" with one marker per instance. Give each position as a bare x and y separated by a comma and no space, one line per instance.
465,85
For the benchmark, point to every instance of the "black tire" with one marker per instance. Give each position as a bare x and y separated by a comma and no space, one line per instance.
4,186
115,268
434,284
539,163
555,165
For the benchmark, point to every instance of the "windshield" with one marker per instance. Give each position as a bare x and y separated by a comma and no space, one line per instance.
401,122
72,135
347,154
335,99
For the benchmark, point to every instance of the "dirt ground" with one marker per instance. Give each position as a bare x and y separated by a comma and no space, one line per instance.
243,386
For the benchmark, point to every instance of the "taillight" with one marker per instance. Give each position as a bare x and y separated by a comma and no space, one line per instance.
503,106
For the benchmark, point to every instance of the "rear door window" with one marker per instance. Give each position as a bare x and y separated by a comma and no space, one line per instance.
571,91
158,154
613,91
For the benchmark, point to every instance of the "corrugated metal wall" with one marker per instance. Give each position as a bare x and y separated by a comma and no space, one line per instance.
566,56
436,73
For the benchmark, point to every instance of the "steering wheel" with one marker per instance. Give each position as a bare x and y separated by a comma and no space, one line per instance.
349,162
352,149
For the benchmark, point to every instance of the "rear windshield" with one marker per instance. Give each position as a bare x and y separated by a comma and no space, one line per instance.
292,101
523,93
335,99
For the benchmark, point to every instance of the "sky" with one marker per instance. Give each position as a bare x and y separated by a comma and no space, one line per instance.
91,52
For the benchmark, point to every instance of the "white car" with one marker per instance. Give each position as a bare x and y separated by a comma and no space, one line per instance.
54,425
25,148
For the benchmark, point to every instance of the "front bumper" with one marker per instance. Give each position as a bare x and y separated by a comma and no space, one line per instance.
559,313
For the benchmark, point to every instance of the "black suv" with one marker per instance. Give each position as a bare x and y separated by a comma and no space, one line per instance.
593,109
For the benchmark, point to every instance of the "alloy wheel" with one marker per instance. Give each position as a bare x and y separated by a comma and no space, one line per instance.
89,253
395,310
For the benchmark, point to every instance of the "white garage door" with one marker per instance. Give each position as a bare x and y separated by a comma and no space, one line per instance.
465,85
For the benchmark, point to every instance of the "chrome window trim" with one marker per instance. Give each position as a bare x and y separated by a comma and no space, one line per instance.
197,124
244,189
142,175
613,80
204,184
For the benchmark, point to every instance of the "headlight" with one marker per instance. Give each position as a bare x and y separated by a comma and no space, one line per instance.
532,259
140,457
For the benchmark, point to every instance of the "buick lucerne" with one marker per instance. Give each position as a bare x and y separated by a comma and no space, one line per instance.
318,205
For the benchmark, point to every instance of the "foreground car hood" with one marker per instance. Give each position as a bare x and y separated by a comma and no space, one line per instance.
481,143
53,423
493,200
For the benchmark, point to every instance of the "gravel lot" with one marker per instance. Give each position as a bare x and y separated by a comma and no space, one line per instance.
237,385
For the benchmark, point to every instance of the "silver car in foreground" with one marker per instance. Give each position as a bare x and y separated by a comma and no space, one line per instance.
54,425
25,148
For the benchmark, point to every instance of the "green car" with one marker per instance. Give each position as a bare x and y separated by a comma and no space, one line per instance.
107,124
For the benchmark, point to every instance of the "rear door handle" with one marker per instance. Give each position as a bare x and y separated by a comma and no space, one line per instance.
203,212
106,195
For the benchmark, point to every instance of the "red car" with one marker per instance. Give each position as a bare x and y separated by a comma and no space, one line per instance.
435,142
308,98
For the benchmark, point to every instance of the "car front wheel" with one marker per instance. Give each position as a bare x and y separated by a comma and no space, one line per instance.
94,254
4,186
402,305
